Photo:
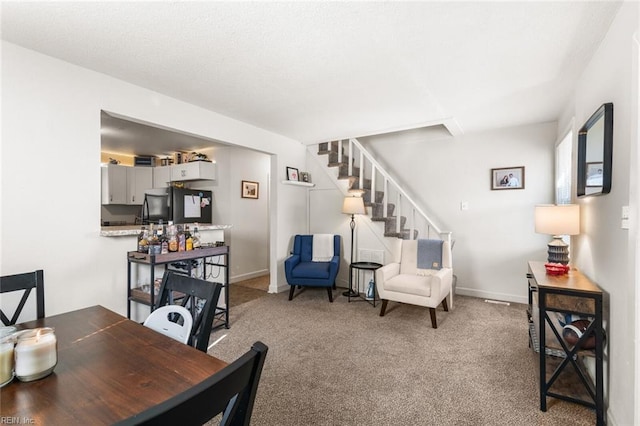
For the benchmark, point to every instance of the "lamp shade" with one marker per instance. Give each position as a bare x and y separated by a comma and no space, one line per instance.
561,219
353,205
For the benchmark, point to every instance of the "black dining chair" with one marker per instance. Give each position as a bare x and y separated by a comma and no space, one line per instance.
23,282
200,297
231,391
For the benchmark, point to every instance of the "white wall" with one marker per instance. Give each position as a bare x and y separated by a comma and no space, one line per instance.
495,237
50,202
603,251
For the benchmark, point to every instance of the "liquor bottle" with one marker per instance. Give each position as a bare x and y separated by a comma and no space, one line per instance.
188,239
182,244
164,241
154,243
173,238
143,240
196,238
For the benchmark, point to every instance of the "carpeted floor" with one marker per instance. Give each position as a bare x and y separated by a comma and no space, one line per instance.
342,364
248,290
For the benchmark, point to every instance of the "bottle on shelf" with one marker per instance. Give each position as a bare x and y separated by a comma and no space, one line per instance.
143,240
164,241
188,239
196,238
154,243
182,244
173,238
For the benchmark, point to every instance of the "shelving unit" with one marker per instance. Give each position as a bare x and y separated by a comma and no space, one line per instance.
574,294
137,295
298,183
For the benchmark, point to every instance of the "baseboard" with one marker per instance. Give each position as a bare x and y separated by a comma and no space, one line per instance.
491,295
248,276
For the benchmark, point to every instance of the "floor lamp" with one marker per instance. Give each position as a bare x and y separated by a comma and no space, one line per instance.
352,206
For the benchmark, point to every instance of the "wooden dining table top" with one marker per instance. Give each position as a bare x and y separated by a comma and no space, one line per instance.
109,368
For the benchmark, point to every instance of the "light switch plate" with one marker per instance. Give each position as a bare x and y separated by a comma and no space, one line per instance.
624,223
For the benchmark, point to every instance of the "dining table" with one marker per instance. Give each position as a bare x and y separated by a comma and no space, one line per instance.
109,368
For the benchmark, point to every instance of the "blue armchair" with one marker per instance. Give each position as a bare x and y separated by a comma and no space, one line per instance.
300,270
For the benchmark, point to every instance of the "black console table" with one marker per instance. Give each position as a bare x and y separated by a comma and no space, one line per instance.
362,266
572,293
138,295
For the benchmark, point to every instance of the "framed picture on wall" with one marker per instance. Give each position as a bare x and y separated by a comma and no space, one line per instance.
507,178
250,189
305,177
292,173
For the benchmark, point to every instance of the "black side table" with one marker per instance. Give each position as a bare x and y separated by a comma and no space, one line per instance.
362,266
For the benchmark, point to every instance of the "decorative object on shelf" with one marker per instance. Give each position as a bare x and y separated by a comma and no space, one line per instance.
595,153
352,206
558,220
556,268
197,156
574,331
507,178
305,177
292,174
250,189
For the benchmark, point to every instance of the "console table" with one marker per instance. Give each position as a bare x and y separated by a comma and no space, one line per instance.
572,293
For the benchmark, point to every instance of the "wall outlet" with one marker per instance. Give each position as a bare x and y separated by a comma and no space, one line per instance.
464,205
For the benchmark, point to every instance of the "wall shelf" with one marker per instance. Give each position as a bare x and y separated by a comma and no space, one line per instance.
296,183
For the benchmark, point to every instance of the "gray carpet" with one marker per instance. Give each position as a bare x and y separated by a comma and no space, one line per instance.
342,364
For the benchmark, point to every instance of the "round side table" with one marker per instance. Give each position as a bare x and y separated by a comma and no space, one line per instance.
362,266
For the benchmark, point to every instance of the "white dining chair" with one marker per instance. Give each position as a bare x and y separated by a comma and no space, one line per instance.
160,320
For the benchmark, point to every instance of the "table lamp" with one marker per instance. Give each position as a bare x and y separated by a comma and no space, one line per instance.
558,220
352,206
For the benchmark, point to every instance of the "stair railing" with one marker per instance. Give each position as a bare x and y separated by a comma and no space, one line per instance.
387,181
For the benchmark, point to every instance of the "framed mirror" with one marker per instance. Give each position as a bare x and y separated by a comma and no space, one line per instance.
595,152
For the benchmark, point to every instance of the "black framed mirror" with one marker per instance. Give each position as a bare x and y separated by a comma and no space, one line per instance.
595,153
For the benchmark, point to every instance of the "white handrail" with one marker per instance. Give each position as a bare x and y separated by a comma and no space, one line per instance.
401,193
388,180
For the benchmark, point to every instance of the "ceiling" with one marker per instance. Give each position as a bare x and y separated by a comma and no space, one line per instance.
317,71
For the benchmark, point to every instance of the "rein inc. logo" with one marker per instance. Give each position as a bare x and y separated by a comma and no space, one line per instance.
6,420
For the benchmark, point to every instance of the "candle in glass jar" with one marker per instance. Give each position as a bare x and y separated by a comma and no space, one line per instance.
36,354
6,361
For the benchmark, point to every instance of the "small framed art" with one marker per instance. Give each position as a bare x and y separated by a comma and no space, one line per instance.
507,178
292,174
305,177
250,189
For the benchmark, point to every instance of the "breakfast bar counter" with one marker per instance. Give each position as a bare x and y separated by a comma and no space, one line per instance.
129,230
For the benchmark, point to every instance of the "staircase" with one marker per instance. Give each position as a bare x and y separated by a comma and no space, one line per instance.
388,202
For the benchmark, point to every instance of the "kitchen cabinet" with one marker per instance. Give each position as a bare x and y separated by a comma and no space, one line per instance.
195,170
161,176
139,179
114,184
125,185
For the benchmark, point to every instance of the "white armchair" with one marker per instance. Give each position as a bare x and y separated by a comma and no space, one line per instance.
404,282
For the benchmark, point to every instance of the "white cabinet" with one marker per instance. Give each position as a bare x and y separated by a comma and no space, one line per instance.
139,179
196,170
161,176
125,185
114,184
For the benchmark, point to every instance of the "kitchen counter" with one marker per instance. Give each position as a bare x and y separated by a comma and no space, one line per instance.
128,230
